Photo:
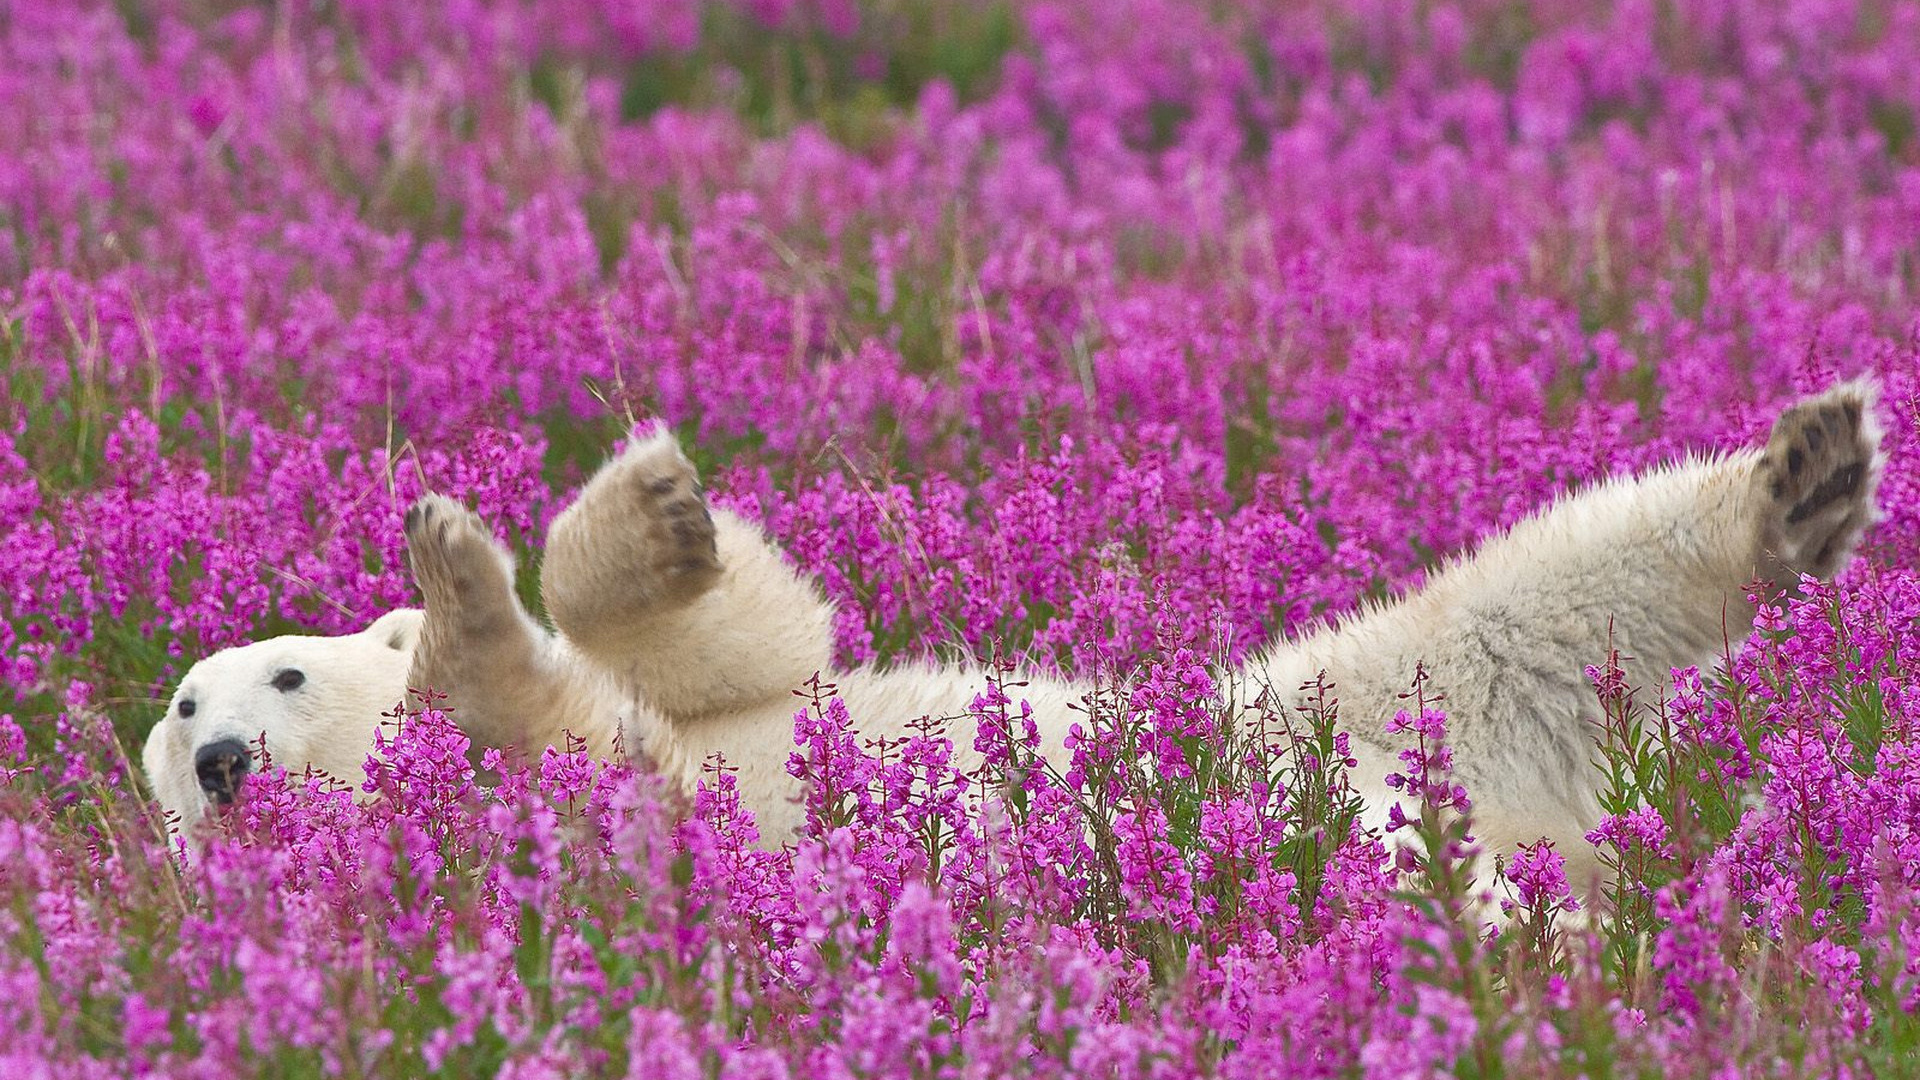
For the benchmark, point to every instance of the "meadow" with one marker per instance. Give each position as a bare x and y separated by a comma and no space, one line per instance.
1118,336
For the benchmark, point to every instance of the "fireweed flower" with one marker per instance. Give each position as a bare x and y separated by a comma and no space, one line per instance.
1211,321
1538,875
1429,761
1153,872
1642,827
1175,697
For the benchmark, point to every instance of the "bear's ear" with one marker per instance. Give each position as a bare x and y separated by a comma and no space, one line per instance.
398,630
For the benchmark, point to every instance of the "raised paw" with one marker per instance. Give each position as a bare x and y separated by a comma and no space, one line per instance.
462,571
1817,475
666,498
640,534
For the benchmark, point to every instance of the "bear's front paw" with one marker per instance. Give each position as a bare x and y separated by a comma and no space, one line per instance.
1818,474
456,561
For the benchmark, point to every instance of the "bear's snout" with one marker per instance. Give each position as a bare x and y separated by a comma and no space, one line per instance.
221,766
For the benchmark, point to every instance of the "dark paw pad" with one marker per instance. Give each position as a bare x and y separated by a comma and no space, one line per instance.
1818,471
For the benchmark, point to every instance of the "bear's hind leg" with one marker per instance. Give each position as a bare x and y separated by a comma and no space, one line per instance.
478,646
691,609
1816,479
638,541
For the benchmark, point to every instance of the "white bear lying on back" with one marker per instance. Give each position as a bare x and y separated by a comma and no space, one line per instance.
681,633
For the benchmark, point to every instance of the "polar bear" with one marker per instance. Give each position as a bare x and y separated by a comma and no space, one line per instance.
681,632
303,697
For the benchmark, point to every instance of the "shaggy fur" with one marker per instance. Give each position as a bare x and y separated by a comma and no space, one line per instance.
682,632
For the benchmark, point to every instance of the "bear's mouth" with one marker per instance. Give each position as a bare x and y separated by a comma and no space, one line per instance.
221,767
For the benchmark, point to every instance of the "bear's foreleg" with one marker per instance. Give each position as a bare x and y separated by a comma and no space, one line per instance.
505,684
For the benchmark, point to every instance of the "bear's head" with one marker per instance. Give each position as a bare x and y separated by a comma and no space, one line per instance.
311,701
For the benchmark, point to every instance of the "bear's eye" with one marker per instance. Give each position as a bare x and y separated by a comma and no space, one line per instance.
186,709
288,679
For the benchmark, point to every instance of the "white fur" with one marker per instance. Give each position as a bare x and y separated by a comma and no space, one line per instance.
678,637
1505,636
327,723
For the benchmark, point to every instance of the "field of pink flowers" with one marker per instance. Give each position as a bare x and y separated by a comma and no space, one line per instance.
1122,335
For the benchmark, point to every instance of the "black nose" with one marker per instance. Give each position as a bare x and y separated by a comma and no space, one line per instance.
221,766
